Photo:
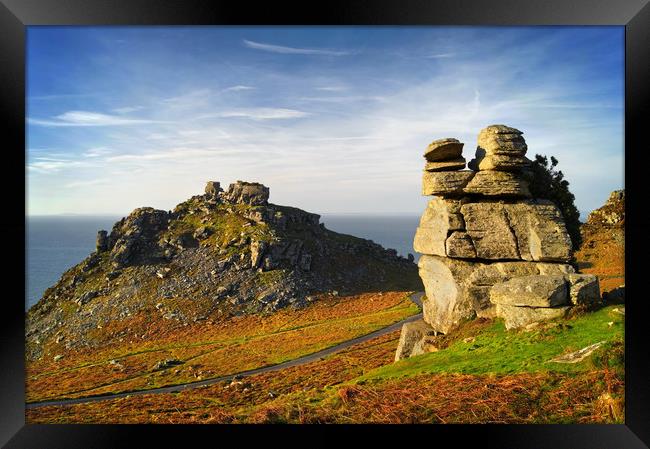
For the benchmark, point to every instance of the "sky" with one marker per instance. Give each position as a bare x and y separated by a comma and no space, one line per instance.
332,119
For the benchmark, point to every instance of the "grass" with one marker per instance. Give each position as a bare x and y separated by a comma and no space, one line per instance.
337,389
210,349
497,351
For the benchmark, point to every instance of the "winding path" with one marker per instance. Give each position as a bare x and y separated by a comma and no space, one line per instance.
415,297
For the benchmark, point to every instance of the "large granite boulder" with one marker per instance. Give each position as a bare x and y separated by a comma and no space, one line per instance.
458,290
531,230
531,291
443,150
487,248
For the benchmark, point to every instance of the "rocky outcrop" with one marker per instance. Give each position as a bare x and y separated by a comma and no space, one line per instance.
612,213
101,243
251,193
488,248
212,189
215,255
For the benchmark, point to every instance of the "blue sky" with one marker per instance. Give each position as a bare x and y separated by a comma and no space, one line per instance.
332,119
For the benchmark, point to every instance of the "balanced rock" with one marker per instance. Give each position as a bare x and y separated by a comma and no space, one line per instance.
500,148
500,139
444,150
445,183
487,248
451,165
531,291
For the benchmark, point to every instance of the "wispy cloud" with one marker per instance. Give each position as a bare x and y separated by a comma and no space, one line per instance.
260,114
344,99
293,50
238,88
440,55
332,88
53,165
97,152
127,109
60,96
87,118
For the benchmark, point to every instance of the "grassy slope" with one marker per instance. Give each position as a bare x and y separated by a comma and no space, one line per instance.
361,384
495,350
211,350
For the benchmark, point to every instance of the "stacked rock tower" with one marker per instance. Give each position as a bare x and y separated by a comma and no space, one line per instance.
488,248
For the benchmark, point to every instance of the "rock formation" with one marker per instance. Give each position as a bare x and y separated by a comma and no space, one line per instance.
488,248
214,255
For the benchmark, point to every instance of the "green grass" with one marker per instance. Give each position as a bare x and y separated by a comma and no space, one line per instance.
498,351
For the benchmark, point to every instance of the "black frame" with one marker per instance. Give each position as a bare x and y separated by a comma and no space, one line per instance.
15,15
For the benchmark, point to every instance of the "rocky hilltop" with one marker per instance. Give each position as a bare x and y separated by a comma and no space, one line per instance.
603,244
488,248
215,255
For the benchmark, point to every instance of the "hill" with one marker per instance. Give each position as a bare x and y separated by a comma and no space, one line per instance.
215,256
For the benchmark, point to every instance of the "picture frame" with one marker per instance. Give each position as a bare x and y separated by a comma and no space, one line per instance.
16,15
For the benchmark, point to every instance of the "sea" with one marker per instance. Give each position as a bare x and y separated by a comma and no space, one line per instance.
56,243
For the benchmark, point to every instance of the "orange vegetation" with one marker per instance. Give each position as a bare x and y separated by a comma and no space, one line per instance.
209,349
317,392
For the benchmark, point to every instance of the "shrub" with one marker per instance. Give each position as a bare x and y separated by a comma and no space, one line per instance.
547,182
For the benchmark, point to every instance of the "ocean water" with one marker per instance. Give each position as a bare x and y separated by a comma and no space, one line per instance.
55,244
